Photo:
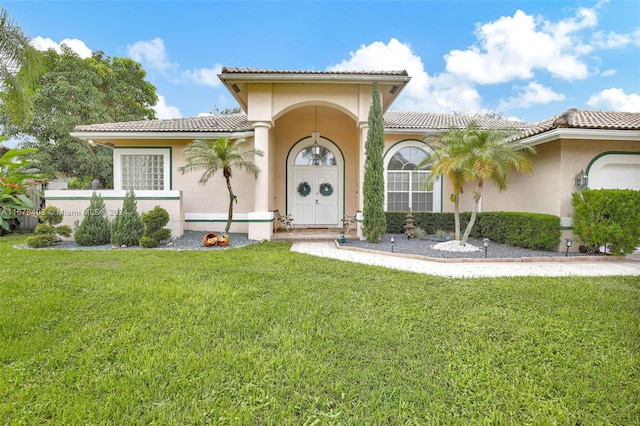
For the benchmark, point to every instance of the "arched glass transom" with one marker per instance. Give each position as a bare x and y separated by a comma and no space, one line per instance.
315,155
406,186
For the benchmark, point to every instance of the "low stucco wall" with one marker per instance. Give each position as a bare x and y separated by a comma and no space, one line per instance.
73,204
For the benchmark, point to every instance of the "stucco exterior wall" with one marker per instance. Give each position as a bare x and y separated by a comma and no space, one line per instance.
73,203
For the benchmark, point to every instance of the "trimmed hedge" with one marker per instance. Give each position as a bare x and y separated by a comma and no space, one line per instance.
607,217
528,230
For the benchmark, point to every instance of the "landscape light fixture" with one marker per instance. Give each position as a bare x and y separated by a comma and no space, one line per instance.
341,240
568,243
392,241
485,244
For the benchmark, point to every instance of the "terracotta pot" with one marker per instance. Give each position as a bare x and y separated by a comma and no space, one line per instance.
223,240
210,239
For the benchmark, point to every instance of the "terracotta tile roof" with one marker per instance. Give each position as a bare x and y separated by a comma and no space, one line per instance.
236,70
587,119
429,121
582,119
215,123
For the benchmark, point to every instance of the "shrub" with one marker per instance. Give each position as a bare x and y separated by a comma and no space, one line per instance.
47,232
607,217
154,231
127,226
94,228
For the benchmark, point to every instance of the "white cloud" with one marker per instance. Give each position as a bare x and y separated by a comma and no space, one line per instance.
77,46
608,73
205,76
611,40
616,100
532,94
164,111
151,53
514,47
423,93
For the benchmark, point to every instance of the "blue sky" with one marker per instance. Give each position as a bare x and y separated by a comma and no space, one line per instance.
524,59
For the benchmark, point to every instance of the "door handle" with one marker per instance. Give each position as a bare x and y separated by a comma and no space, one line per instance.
317,202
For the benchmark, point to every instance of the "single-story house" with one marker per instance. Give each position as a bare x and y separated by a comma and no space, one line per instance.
312,127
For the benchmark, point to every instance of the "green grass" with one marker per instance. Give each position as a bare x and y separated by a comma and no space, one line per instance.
260,335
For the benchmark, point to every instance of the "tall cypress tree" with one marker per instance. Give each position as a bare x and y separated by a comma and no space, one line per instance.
375,221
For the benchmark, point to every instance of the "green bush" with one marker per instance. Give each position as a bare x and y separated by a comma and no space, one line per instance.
83,182
94,228
46,232
154,231
527,230
607,218
127,226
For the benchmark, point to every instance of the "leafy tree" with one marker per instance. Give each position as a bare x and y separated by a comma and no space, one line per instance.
375,224
94,228
20,66
17,180
223,154
127,226
73,91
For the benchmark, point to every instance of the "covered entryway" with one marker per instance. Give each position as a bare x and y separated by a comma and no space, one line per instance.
315,176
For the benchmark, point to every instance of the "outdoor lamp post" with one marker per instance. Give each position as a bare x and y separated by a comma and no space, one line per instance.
485,243
392,241
568,243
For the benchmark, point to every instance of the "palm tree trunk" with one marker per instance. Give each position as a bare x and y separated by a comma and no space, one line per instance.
456,216
476,202
232,198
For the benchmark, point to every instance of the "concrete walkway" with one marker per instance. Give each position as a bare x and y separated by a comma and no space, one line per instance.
553,267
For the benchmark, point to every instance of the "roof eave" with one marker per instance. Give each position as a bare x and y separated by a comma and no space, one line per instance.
110,136
588,134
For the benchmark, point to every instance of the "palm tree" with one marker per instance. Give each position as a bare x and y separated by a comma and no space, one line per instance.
445,161
20,66
224,154
491,155
473,155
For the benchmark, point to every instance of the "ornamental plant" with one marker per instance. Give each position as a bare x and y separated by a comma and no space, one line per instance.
46,233
375,222
154,231
16,180
127,227
607,218
94,228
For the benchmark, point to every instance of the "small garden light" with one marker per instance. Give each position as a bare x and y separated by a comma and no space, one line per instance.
568,243
341,240
485,243
392,241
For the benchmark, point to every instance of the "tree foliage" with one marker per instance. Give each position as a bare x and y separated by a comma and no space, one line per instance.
94,228
20,66
72,91
127,226
474,156
223,154
374,225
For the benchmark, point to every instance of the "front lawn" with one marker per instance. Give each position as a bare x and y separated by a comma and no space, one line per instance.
260,335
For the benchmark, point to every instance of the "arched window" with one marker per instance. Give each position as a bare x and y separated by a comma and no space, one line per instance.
315,155
406,186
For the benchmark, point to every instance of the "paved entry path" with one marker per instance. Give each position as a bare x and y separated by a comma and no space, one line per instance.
469,269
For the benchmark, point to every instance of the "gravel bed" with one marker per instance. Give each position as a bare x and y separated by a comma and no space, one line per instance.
190,240
425,247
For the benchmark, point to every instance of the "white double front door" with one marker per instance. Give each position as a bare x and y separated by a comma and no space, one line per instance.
320,206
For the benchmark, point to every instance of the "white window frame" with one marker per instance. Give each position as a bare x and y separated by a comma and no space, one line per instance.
117,164
437,184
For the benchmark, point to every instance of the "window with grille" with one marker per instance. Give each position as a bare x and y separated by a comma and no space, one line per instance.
406,186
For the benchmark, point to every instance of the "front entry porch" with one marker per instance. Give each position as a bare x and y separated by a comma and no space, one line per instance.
312,234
